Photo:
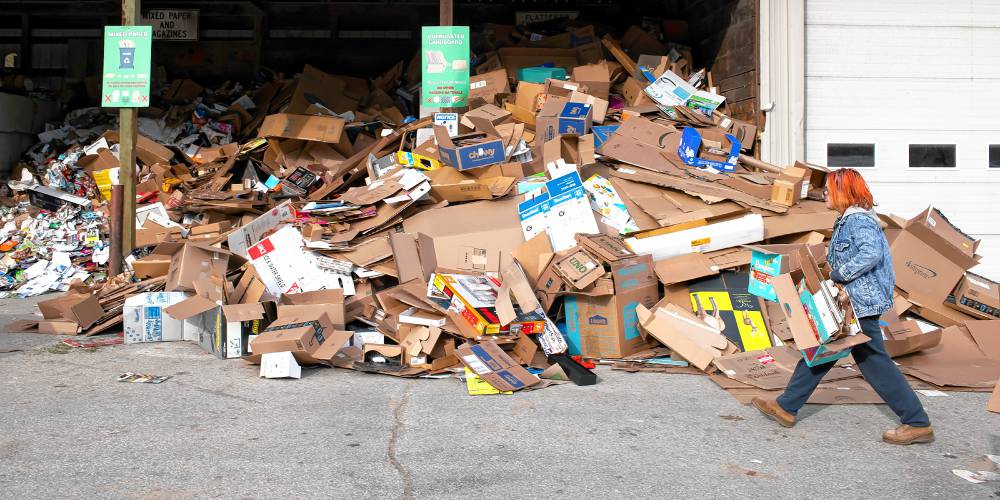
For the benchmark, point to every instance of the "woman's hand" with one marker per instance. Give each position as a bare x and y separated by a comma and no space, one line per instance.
842,298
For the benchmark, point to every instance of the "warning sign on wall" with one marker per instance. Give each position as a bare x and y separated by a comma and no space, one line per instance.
172,24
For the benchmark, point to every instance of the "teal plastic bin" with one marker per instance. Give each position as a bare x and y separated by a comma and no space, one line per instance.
538,74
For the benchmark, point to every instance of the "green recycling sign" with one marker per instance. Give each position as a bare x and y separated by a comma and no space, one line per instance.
444,66
127,63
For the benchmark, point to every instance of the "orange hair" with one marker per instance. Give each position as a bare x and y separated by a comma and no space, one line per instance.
847,188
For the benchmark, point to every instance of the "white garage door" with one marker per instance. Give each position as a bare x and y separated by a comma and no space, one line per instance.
910,90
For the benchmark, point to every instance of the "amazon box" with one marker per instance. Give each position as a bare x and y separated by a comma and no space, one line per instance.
607,326
976,296
929,255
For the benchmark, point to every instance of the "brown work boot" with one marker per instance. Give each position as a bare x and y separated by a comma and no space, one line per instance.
771,409
905,434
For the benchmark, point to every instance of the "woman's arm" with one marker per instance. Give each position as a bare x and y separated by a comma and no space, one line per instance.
865,237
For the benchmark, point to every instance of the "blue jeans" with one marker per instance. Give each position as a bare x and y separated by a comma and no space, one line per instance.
878,369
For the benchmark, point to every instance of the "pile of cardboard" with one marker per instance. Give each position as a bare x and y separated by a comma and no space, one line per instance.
614,216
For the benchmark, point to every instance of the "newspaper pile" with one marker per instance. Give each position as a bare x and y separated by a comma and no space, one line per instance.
613,216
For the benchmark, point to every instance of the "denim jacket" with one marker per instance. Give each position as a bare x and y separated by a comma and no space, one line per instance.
859,258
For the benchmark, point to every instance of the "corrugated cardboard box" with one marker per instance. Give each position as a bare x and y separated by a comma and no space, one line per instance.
598,105
770,368
803,331
934,221
579,269
316,86
903,337
683,333
156,263
526,102
196,260
609,248
786,190
832,351
633,93
562,117
329,301
240,325
478,236
495,367
246,236
144,318
453,186
486,114
768,261
475,298
82,309
303,127
147,150
488,85
813,178
924,260
977,296
575,149
607,326
152,233
309,336
468,152
595,77
684,268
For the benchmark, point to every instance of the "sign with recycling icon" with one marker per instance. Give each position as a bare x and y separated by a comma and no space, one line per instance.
127,63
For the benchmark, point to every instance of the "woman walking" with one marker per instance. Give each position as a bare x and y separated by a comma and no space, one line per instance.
861,264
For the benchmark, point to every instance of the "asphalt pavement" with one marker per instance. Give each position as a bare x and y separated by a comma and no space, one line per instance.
69,429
